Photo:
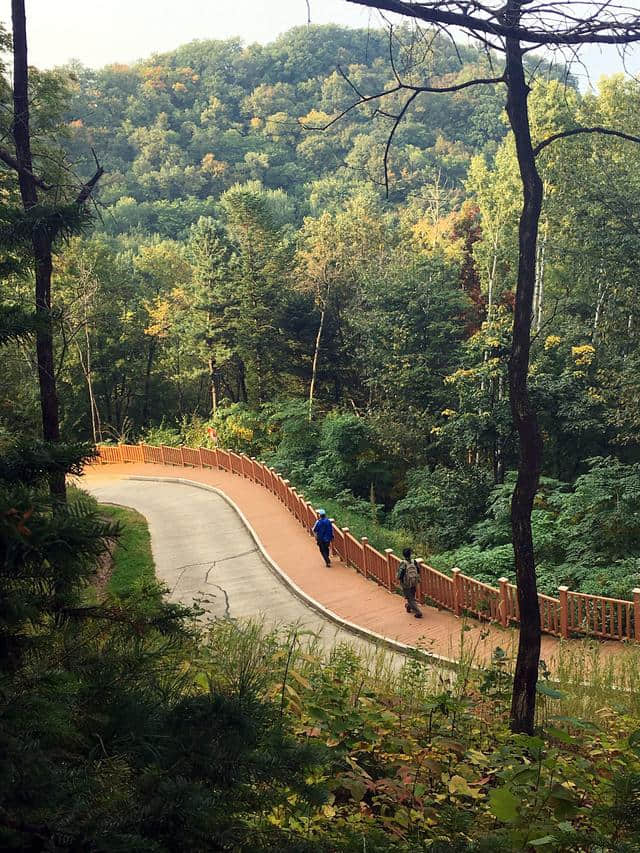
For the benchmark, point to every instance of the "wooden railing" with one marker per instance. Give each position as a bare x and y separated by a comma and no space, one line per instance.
572,613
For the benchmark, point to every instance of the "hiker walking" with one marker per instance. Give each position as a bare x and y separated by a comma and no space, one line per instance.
409,574
323,531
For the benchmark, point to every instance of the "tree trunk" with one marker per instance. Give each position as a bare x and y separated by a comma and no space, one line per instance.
85,366
314,367
524,417
602,294
41,241
212,385
539,296
147,382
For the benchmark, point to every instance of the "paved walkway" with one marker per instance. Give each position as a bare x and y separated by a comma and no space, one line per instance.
216,563
197,540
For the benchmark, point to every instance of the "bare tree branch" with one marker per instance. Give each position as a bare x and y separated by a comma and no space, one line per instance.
387,148
619,25
87,189
563,134
401,87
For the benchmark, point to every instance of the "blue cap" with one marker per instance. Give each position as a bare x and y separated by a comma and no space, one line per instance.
321,511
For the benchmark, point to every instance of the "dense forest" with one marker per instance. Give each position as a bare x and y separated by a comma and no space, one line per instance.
237,246
248,269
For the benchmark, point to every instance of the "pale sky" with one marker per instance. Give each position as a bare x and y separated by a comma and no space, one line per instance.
100,33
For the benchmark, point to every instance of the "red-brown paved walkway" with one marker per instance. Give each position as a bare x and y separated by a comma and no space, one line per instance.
340,588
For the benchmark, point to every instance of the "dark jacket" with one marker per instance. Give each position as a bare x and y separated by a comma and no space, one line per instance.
323,530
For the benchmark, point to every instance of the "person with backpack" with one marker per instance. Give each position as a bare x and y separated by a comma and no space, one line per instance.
409,574
323,531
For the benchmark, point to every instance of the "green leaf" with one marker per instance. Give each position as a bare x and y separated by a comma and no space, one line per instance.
543,841
503,804
559,734
543,688
459,785
563,802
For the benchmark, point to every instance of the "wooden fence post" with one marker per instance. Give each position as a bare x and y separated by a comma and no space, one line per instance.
390,579
421,575
564,612
200,457
182,455
457,591
636,613
504,602
334,553
345,531
365,562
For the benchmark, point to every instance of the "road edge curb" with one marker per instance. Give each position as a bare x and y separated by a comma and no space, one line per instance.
377,639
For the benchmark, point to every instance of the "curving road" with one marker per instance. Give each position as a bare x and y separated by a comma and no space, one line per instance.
203,551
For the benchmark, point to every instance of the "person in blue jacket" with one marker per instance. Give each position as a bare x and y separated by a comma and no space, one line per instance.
323,531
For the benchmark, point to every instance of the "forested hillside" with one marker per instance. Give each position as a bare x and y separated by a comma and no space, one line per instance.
248,270
180,129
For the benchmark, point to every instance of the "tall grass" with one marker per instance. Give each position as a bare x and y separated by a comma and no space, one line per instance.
580,681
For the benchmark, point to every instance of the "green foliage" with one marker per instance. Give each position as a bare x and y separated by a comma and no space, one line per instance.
442,505
241,428
346,457
294,437
29,462
586,536
59,222
16,323
602,512
413,764
108,739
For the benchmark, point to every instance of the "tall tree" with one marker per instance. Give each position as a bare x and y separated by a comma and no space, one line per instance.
210,255
514,29
46,223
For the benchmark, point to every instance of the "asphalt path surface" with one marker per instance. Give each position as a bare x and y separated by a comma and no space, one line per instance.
203,552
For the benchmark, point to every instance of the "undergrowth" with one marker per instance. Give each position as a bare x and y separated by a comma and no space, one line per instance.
417,758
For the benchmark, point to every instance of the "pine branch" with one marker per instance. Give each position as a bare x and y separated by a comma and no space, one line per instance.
7,158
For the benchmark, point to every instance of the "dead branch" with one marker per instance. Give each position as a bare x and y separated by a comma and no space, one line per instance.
551,23
87,189
574,131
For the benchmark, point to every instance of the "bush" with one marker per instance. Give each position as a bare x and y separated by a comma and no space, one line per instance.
348,458
242,429
295,436
602,514
162,434
483,564
441,505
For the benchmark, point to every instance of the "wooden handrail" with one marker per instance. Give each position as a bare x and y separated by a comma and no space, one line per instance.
359,553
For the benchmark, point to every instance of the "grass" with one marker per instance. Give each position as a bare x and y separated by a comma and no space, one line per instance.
133,566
